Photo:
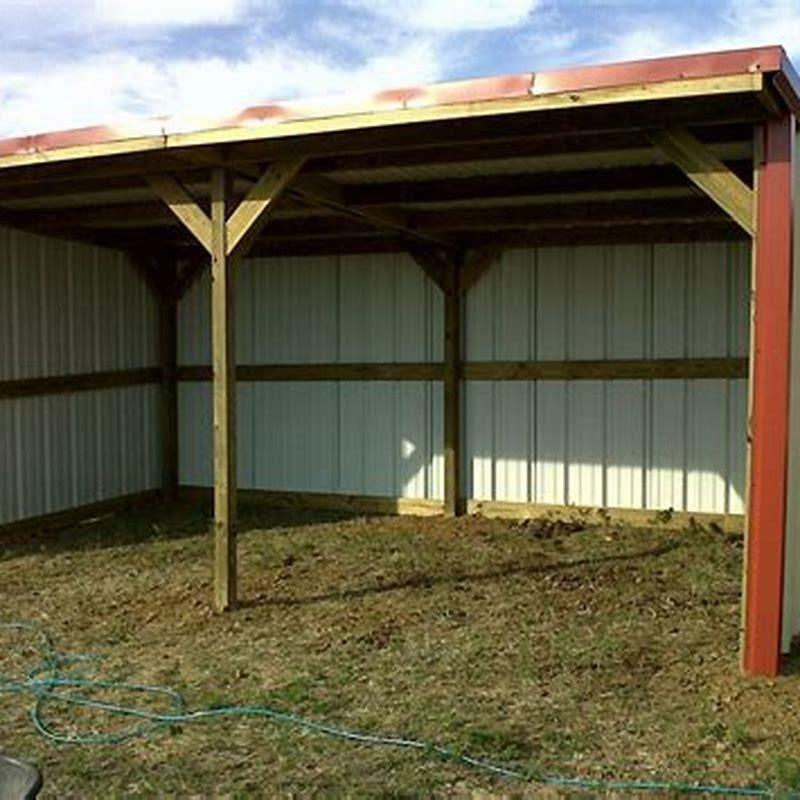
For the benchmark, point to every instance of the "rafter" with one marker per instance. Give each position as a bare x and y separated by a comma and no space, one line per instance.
324,193
711,174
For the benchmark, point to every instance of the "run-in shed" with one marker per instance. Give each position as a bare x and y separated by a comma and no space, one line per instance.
567,291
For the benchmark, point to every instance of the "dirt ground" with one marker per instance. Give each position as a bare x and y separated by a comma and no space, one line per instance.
601,653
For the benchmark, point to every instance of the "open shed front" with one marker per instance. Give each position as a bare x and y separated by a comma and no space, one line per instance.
522,296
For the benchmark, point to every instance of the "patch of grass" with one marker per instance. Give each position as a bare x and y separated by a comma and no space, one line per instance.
557,649
787,775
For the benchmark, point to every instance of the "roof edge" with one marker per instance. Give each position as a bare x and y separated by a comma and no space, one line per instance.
153,133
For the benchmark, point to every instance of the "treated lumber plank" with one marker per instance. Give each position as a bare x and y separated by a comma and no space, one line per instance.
81,382
710,174
168,347
224,398
252,212
183,206
628,369
436,266
72,516
325,193
452,396
413,371
476,263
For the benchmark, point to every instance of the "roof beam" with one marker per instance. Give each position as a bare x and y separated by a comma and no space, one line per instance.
708,172
324,193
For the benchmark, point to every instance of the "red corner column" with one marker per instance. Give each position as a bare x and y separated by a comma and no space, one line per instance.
769,414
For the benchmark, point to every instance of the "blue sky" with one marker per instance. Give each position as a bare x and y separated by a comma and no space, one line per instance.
89,61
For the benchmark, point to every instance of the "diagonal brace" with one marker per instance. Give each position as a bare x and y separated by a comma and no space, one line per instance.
245,222
710,174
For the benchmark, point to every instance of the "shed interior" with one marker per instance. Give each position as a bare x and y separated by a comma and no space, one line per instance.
516,296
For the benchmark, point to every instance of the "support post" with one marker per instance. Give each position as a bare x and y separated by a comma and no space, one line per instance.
227,239
452,394
224,397
169,378
769,387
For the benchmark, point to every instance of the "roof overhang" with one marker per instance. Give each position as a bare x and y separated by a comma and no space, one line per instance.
537,152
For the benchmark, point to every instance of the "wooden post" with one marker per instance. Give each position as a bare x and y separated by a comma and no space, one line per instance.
169,378
227,239
769,413
224,401
452,394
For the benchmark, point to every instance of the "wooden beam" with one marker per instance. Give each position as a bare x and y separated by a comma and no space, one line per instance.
452,396
70,517
436,266
476,263
412,371
183,206
79,382
595,517
325,193
561,180
224,397
168,307
251,214
584,148
708,172
608,370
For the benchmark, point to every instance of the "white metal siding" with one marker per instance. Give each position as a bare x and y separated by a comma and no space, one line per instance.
631,444
791,585
68,308
636,444
377,438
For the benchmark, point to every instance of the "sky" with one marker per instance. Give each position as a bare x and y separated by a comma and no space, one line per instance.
83,62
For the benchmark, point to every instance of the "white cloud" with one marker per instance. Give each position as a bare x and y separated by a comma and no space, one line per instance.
449,15
115,88
168,13
741,23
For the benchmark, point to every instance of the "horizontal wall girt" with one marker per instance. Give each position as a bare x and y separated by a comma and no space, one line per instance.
83,382
625,369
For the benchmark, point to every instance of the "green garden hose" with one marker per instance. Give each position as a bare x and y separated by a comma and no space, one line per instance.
57,679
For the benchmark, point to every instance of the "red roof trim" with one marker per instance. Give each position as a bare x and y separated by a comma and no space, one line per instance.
708,65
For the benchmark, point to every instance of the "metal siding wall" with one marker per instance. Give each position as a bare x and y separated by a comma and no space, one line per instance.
630,444
67,308
380,438
791,585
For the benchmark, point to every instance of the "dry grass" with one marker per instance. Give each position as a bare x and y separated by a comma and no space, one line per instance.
601,653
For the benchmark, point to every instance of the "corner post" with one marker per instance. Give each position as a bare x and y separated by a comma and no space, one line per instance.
224,397
168,310
769,405
452,393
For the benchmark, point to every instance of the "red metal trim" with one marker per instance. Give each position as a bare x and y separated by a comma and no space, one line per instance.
769,423
768,60
658,70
